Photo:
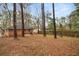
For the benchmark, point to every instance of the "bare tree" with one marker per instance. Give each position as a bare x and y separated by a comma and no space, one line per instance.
43,19
6,16
14,20
6,5
55,35
21,6
38,20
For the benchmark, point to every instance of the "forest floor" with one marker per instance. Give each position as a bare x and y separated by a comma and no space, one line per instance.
37,45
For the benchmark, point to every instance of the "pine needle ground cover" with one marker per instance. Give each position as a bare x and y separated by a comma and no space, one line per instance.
37,45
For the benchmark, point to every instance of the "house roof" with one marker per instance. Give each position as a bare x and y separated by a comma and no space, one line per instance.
19,26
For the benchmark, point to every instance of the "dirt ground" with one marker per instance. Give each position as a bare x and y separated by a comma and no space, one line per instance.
37,45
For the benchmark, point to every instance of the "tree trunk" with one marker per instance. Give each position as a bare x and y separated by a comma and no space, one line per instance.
55,35
38,25
21,6
70,25
14,20
43,19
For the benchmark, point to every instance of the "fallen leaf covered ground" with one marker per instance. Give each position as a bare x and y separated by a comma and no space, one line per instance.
37,45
